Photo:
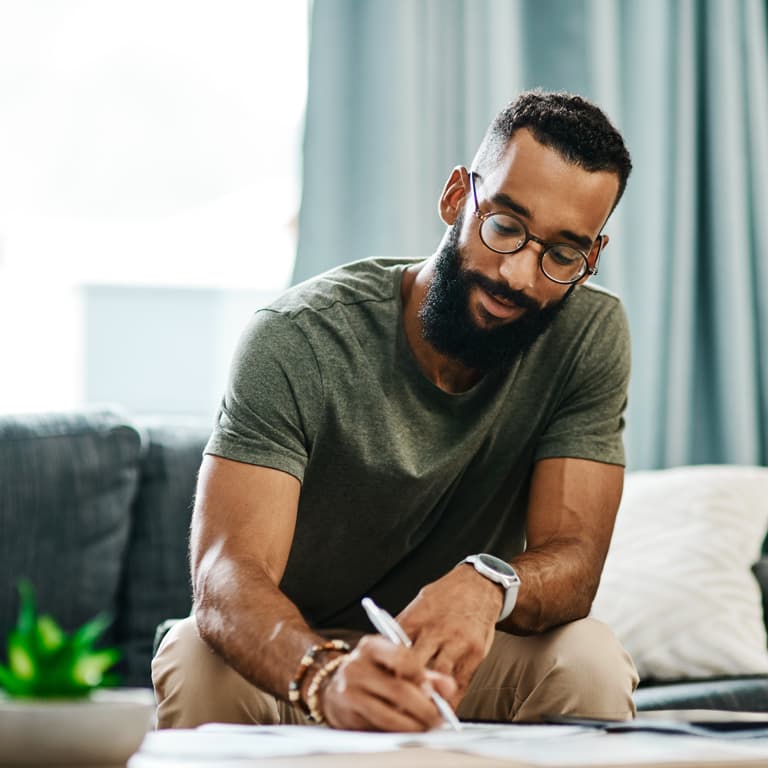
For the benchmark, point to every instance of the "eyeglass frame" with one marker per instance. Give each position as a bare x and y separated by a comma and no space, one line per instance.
546,246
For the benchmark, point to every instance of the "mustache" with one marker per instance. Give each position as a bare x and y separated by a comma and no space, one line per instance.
502,291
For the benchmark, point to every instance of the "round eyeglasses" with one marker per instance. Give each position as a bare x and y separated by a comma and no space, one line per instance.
506,233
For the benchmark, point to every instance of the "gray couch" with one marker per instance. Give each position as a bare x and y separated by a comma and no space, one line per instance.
95,509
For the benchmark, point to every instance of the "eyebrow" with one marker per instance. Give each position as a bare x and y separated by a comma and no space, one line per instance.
505,201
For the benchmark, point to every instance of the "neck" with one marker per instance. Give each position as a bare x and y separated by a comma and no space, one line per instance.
444,372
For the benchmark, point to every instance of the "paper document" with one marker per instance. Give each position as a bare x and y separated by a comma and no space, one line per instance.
537,745
711,724
225,741
626,749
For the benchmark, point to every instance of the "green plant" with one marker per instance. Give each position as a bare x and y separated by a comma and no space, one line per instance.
45,661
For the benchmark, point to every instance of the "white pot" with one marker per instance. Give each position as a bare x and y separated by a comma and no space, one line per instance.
103,729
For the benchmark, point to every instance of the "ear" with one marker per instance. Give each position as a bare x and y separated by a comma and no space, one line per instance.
454,194
594,257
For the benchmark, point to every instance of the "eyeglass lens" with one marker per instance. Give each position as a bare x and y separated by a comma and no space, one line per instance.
504,233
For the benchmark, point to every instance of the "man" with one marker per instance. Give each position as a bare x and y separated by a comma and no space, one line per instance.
390,418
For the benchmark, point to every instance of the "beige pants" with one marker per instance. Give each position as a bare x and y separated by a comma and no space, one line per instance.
577,669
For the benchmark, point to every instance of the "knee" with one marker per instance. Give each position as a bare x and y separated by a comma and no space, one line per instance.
193,685
179,671
588,670
181,661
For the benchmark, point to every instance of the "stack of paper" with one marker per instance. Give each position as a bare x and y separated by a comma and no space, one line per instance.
535,745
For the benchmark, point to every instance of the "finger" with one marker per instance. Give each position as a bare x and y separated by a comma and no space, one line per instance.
396,660
446,657
364,696
347,703
404,696
425,646
457,660
381,715
391,675
372,717
445,685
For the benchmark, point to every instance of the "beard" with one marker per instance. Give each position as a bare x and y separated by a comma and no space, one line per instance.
447,323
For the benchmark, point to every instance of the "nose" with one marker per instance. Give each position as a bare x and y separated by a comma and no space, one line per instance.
521,269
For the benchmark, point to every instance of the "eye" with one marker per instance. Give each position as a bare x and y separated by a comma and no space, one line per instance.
564,255
506,226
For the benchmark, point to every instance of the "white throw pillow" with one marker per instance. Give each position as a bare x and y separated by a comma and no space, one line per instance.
677,586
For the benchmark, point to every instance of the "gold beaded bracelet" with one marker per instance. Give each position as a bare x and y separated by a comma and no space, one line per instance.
313,692
307,660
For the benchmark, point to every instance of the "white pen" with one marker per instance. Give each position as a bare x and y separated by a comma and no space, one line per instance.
387,626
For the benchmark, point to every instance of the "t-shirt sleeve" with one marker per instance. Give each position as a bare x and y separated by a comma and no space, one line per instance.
273,398
589,420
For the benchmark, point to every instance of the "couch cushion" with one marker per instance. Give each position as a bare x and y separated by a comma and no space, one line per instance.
156,584
66,486
678,586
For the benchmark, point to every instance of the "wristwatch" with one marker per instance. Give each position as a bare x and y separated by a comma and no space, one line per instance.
500,573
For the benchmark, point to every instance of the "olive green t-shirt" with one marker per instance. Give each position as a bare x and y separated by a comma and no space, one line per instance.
401,480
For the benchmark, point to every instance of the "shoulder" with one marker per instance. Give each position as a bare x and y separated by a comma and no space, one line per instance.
590,298
360,282
595,311
317,317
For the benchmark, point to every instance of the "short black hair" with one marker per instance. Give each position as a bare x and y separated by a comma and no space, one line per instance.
574,127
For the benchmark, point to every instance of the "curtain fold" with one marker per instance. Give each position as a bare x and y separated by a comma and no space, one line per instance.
401,92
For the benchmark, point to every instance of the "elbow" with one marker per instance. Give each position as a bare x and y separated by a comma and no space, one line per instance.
528,618
543,612
527,624
210,568
210,623
212,581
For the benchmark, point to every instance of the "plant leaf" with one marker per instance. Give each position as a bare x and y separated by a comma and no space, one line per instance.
90,632
44,660
50,637
27,610
12,685
20,657
89,669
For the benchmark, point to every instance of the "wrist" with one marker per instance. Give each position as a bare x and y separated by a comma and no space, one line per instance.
492,592
318,685
313,657
499,573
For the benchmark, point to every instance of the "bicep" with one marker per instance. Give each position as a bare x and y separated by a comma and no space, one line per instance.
244,514
588,419
574,502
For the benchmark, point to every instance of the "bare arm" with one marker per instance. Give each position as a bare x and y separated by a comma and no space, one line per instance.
571,511
242,530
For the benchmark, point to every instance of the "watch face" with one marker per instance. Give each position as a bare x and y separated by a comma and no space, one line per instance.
497,564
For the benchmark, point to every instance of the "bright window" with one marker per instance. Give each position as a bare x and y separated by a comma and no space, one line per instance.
142,143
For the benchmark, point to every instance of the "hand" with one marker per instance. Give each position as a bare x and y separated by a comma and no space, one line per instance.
383,687
451,623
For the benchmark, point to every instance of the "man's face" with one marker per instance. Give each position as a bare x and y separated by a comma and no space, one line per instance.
485,308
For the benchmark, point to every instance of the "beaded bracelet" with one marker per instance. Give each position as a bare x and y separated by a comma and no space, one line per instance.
307,660
313,692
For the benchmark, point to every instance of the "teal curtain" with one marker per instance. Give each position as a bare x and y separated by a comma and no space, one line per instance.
401,91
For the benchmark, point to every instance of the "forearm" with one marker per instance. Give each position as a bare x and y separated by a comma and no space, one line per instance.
571,511
248,621
558,584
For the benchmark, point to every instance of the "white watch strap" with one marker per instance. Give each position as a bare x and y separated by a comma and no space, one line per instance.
492,573
510,598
